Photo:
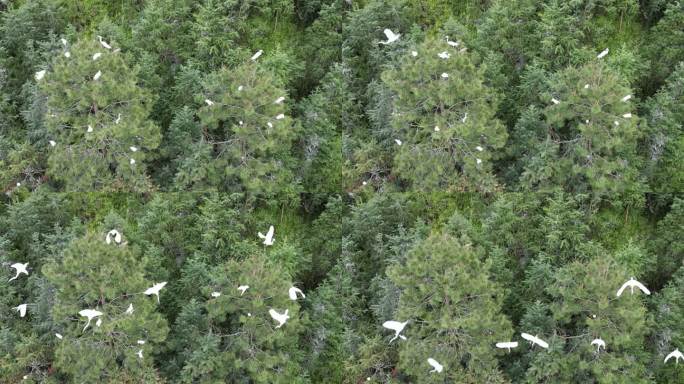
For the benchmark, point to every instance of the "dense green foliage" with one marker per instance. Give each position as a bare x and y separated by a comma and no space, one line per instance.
484,175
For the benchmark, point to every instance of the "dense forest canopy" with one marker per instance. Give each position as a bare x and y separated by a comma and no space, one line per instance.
342,191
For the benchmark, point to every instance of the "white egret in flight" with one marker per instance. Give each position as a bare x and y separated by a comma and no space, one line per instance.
676,354
90,314
507,345
268,237
52,143
280,318
113,234
626,98
129,310
96,55
293,291
437,367
599,343
535,340
279,100
40,74
154,290
631,283
257,54
444,55
603,53
242,289
391,36
20,268
21,308
97,75
209,102
397,327
104,43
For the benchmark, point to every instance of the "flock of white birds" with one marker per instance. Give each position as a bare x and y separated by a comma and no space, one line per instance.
268,239
632,283
114,237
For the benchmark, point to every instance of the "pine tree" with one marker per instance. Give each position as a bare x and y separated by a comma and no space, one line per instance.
444,115
454,312
108,277
100,126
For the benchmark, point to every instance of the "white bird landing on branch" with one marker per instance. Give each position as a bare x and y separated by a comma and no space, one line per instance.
535,340
293,291
20,268
90,314
437,367
631,283
391,36
599,343
154,290
676,354
280,318
507,345
397,327
268,237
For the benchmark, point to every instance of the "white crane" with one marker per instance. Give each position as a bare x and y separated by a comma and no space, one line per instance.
599,343
268,237
20,268
507,345
279,100
603,53
154,290
676,354
242,289
21,308
129,310
104,43
113,234
257,54
97,75
391,36
631,283
96,55
436,367
280,318
397,327
624,99
40,74
293,291
444,55
90,314
535,340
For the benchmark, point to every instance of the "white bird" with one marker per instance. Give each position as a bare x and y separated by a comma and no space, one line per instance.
480,149
97,75
257,54
67,54
104,43
209,102
397,327
445,75
280,318
129,310
270,125
398,141
436,128
437,367
140,355
98,322
20,268
57,335
627,115
113,234
215,294
90,128
676,354
444,55
603,53
626,97
242,289
154,290
293,291
555,101
535,340
96,55
268,237
52,143
391,36
616,123
586,86
599,343
280,117
240,122
64,42
241,87
478,161
279,100
631,283
90,314
40,74
133,149
465,117
118,119
21,308
414,53
452,43
507,345
141,342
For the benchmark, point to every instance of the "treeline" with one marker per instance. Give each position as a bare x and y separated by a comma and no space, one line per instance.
502,167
